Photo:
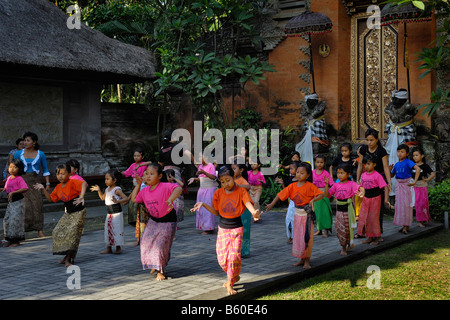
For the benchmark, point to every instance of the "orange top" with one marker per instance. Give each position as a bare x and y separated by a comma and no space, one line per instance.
300,195
70,191
241,181
231,205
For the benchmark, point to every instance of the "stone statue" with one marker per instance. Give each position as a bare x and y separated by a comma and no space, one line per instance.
316,138
401,128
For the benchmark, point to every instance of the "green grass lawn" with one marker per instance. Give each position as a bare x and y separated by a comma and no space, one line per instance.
418,270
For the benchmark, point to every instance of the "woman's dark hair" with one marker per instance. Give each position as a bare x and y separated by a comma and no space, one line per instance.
242,166
226,170
308,168
19,141
115,174
296,164
346,167
419,150
370,157
73,163
33,137
321,156
63,166
158,167
374,133
140,150
19,164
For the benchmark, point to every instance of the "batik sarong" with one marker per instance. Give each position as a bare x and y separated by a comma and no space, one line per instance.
205,220
246,219
302,236
114,229
255,193
228,249
156,243
33,204
67,233
13,222
369,217
421,202
141,220
403,210
345,222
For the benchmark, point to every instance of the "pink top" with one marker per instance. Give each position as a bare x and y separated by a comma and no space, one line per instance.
319,181
155,200
77,177
372,180
344,190
253,178
15,184
209,168
133,172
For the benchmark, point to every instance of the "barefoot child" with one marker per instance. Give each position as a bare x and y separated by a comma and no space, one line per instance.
289,221
403,197
344,190
15,187
257,183
421,187
369,214
68,231
229,202
159,232
322,208
304,194
114,198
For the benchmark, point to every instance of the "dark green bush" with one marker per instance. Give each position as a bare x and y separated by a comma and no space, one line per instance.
439,199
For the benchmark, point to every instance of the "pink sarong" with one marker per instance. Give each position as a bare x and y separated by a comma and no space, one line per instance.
421,204
403,210
228,249
300,248
369,217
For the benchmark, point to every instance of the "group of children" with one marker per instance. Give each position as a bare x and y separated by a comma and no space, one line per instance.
236,203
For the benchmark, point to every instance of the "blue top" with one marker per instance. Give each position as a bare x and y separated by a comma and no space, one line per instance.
403,169
33,165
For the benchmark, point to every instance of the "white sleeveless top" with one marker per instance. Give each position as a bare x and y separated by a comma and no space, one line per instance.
110,194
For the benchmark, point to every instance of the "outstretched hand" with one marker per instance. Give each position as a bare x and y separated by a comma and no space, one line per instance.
197,206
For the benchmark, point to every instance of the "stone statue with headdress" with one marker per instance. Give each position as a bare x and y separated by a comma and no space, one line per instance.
400,128
316,138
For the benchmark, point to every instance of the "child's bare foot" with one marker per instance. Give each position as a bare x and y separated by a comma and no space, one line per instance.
118,250
61,261
343,252
230,289
350,246
207,232
318,232
152,271
160,276
136,243
421,225
14,244
289,240
368,240
106,251
374,242
301,262
306,265
68,263
325,234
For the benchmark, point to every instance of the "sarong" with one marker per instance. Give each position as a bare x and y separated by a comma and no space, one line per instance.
246,219
303,239
422,205
205,220
33,205
255,193
228,249
156,243
324,217
114,229
403,210
67,233
290,220
369,217
141,220
345,222
13,222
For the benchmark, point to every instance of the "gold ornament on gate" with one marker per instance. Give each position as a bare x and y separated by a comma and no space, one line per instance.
324,50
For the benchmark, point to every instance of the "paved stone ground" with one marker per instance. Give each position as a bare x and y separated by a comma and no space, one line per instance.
30,271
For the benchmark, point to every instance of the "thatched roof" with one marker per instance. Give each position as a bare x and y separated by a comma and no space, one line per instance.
35,41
